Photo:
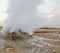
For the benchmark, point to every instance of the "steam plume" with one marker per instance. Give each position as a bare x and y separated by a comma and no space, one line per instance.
27,14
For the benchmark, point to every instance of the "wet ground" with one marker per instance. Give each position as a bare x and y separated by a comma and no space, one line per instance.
40,43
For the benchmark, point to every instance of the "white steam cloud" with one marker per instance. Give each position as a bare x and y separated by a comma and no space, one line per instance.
29,14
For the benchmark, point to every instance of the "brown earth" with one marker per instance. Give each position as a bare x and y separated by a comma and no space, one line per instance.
37,43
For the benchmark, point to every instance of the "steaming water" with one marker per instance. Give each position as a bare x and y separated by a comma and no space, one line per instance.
39,45
29,14
41,40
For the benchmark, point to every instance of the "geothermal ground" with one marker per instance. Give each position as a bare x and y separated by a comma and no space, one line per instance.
41,42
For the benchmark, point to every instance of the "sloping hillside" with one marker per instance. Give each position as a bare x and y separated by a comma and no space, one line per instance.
46,30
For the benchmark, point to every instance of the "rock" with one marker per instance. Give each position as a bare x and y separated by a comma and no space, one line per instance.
53,51
9,48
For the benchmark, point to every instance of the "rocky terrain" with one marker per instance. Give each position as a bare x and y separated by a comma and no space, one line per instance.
43,40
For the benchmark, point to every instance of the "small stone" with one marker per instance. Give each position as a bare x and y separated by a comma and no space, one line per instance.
9,48
8,44
53,51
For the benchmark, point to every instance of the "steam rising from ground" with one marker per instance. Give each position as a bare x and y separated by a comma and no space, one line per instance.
29,14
